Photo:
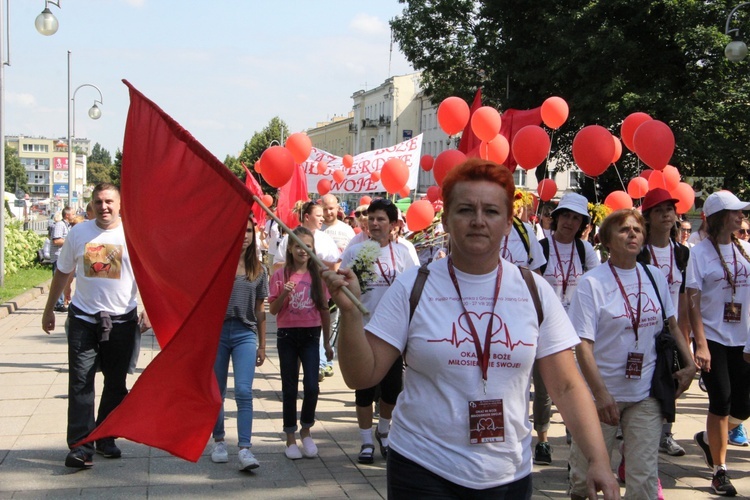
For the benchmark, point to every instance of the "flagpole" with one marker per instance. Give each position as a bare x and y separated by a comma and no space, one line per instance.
310,252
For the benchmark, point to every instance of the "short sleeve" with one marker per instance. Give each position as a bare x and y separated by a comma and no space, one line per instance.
583,312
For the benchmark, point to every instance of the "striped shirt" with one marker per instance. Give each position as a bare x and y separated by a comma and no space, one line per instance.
244,294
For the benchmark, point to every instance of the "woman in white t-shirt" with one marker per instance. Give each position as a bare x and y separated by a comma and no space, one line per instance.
461,425
618,312
718,291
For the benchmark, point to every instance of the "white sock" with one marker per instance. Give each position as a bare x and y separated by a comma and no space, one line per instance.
705,437
719,467
384,425
366,435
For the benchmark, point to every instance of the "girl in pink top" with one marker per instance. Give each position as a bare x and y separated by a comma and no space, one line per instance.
300,302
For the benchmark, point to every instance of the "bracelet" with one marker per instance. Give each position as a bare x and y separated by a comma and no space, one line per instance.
261,347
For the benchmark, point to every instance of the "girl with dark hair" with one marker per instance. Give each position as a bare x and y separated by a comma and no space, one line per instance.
300,302
243,337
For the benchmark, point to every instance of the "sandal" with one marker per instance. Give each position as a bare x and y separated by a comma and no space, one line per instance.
379,437
366,454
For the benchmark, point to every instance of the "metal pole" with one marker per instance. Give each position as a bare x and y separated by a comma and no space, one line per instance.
2,142
71,154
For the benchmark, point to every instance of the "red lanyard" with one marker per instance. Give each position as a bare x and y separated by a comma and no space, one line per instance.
671,261
727,275
565,278
483,356
393,268
635,316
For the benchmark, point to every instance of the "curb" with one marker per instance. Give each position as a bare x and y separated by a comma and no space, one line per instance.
8,308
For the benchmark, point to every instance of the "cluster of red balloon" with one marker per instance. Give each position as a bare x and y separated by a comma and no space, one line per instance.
653,142
277,163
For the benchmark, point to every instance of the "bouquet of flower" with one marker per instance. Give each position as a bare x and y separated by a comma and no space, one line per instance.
363,265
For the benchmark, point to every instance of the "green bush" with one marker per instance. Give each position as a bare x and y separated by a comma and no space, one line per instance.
20,247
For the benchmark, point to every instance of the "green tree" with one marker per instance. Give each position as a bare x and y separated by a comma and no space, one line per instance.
274,133
15,174
98,172
100,155
116,169
607,59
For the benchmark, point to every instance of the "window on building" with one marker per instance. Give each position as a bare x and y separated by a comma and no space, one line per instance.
372,143
519,176
576,178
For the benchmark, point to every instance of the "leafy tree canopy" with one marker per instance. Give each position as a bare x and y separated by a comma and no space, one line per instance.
15,174
275,133
100,155
98,172
607,59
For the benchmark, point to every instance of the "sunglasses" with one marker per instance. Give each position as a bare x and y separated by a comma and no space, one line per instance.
743,231
686,229
360,214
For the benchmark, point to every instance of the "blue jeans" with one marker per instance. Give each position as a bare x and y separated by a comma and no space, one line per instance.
61,299
324,363
85,353
298,346
241,343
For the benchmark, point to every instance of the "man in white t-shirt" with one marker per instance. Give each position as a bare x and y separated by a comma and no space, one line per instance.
392,259
521,247
102,321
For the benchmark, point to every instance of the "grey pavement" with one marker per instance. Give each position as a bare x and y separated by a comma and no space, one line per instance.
33,388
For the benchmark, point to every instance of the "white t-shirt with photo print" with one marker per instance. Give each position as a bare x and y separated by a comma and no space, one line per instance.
443,374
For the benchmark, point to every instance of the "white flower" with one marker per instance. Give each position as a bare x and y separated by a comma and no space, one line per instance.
363,265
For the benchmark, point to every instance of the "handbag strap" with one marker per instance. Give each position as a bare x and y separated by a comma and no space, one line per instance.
656,290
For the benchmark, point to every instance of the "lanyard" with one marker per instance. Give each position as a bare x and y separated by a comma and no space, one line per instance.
483,356
635,316
727,275
671,261
565,277
393,264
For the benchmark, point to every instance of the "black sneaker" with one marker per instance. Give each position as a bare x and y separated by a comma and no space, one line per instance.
722,485
543,454
107,448
703,445
79,459
61,308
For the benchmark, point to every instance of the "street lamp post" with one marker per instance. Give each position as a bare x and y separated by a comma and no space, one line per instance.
47,26
736,50
94,113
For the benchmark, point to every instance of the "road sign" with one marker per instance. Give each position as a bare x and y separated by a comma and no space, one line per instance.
20,194
19,203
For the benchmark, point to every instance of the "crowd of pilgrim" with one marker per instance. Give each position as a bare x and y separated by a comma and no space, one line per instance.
457,329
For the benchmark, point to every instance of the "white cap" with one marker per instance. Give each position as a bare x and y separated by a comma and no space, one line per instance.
723,200
575,203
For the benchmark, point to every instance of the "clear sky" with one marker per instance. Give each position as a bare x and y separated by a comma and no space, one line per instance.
221,68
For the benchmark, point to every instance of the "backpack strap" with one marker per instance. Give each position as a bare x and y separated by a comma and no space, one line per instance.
581,253
531,284
524,234
681,257
416,290
579,248
544,242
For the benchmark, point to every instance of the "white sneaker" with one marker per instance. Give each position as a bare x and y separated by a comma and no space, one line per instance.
247,460
292,452
219,454
309,449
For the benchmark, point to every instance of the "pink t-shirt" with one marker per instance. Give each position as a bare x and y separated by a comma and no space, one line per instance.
298,310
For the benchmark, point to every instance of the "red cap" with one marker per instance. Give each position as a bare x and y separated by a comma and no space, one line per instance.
655,197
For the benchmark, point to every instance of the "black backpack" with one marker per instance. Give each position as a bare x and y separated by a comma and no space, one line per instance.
580,248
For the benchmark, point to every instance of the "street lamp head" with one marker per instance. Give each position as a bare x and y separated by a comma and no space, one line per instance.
95,113
736,51
46,23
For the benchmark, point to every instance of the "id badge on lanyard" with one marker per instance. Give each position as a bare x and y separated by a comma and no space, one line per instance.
486,421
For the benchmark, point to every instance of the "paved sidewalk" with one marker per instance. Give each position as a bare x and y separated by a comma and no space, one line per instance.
33,387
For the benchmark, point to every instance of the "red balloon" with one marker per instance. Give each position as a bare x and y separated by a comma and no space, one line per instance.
593,150
257,166
426,162
485,123
433,193
656,180
278,165
446,161
546,189
496,150
618,149
322,167
348,161
339,176
637,187
683,192
453,115
618,199
647,173
671,177
554,112
630,125
267,200
654,143
365,200
420,215
324,186
530,146
394,175
404,192
300,146
375,176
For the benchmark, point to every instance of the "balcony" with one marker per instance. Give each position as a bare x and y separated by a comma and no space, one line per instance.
369,123
353,128
384,121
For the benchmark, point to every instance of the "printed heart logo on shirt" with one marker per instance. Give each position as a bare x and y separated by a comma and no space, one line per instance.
481,322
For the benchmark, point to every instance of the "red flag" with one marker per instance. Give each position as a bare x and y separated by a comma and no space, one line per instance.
184,215
469,144
250,183
514,120
290,193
